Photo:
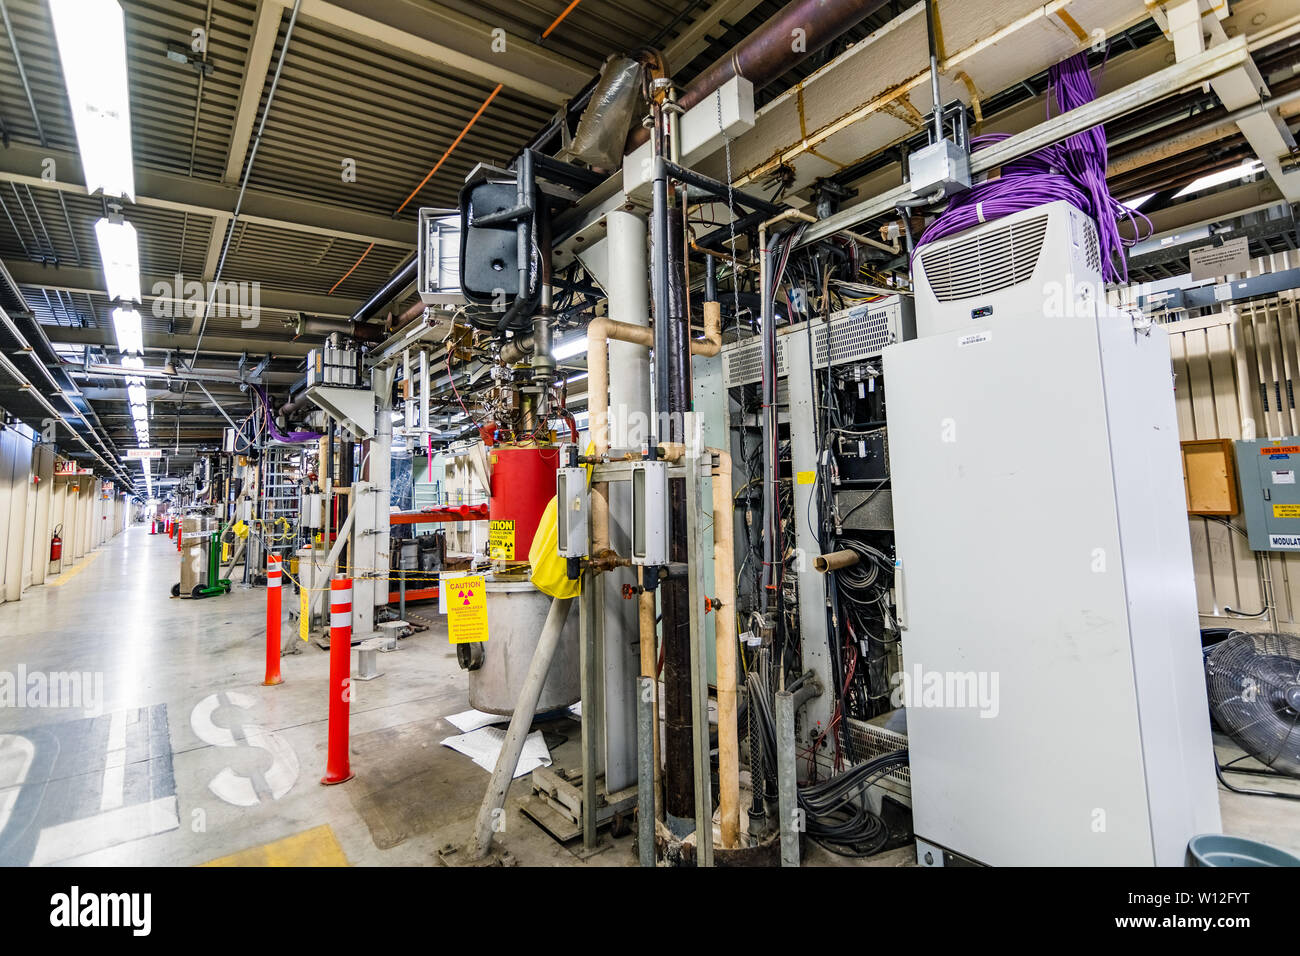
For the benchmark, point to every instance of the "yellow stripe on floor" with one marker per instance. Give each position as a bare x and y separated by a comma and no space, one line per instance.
314,847
64,575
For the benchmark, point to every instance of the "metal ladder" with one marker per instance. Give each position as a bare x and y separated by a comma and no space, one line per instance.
280,491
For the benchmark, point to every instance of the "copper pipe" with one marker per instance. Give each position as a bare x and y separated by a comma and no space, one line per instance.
835,561
724,577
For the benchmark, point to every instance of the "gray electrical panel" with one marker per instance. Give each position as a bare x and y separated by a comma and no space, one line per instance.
1270,496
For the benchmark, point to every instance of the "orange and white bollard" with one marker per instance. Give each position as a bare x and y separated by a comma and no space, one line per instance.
336,758
273,574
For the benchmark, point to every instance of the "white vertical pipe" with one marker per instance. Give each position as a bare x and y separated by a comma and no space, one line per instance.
628,286
629,301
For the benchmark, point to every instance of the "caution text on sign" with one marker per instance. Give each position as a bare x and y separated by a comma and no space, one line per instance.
501,540
467,621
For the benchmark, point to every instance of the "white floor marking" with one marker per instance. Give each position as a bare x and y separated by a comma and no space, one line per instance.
114,763
105,829
16,755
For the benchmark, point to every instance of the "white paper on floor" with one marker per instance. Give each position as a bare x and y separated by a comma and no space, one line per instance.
483,746
469,720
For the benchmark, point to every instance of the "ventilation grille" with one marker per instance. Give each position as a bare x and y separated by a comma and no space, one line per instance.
870,741
1091,248
743,364
855,334
985,263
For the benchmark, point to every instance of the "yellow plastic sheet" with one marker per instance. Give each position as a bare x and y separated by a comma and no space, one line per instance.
550,571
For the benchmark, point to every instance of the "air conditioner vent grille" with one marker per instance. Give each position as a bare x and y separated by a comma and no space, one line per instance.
987,262
743,364
855,334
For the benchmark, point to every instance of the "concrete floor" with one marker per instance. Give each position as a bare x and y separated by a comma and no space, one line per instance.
189,759
163,659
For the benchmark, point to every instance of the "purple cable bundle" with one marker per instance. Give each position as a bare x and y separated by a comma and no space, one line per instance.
293,438
1074,171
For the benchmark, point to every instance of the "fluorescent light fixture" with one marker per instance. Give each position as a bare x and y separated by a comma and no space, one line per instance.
1138,202
136,394
92,47
570,348
126,323
120,254
136,363
1248,168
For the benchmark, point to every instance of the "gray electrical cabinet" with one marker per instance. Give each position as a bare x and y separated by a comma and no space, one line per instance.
1270,496
1056,707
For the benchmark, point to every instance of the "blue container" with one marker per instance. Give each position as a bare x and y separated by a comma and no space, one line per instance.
1218,849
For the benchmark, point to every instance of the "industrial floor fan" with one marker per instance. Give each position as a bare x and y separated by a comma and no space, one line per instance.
1254,689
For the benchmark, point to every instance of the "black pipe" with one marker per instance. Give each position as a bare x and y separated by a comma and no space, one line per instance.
719,190
389,290
679,741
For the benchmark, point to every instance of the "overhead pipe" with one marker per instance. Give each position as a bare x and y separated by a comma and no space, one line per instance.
766,55
395,283
315,325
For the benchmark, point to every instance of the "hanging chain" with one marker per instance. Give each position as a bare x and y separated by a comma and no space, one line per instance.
731,215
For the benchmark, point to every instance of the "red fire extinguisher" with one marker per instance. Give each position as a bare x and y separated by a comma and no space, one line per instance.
56,545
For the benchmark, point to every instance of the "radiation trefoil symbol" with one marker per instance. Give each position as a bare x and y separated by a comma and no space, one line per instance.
465,596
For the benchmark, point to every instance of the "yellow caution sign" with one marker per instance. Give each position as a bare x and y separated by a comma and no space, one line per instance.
1286,511
807,477
467,621
501,540
304,604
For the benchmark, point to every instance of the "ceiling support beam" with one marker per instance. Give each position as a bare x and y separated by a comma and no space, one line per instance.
451,39
266,27
694,40
78,279
213,342
22,164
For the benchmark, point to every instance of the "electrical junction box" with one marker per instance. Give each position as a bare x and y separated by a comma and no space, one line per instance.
650,513
940,167
438,252
1270,496
573,506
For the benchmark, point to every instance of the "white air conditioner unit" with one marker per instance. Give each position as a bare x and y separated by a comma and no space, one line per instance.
1043,259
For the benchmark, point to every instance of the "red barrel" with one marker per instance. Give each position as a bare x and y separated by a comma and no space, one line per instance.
523,484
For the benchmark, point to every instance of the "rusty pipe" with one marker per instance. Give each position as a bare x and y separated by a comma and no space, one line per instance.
361,331
650,668
769,53
835,561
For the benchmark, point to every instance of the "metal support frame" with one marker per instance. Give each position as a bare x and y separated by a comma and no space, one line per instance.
815,638
699,658
1173,79
590,713
645,793
786,778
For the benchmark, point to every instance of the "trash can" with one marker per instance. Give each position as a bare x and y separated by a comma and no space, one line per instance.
1219,849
